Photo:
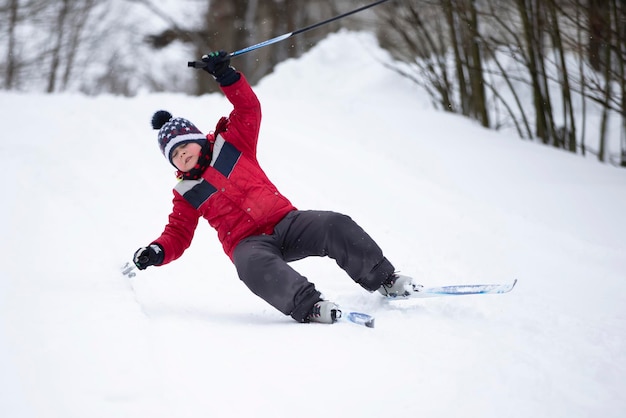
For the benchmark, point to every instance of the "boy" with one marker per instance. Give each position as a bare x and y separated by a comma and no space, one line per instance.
260,230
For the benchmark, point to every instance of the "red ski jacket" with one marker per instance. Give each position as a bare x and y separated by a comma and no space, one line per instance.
234,194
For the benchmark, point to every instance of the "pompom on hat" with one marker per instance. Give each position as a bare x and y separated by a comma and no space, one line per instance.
174,132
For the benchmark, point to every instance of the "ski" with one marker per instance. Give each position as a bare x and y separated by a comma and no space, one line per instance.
359,318
419,291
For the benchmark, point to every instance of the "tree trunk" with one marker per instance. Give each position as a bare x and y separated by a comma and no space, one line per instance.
619,11
58,46
11,58
459,64
476,69
567,136
606,72
598,29
527,12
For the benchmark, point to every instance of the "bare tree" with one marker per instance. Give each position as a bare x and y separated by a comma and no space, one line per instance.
459,50
412,34
447,53
45,41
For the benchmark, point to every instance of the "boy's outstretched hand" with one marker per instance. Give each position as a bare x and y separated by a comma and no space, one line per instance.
151,255
218,65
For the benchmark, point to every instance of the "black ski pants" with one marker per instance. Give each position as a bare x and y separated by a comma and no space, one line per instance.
262,260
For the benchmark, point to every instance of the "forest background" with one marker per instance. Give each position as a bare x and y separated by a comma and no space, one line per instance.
554,71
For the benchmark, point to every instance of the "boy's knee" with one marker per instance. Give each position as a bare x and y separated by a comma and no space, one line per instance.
339,220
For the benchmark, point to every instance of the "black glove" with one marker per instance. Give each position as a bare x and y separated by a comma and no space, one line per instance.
218,65
151,255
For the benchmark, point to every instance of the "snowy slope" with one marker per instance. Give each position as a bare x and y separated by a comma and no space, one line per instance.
448,201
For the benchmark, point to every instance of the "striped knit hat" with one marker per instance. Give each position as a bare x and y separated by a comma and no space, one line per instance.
174,132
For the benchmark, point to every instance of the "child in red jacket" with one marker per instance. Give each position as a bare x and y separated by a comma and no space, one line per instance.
260,230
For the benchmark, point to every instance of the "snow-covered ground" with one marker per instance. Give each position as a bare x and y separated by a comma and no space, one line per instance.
84,186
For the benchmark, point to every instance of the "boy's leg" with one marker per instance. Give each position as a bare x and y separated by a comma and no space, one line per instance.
261,267
323,233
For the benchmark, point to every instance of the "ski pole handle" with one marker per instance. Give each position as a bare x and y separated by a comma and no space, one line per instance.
203,64
127,270
196,64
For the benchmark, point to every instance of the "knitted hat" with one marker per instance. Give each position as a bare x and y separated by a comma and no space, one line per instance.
174,132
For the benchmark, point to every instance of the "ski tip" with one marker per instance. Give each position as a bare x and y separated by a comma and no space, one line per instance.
361,318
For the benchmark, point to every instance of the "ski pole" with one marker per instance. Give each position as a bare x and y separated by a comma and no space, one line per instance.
201,64
128,271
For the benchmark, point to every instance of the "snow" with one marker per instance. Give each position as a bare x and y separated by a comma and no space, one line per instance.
448,201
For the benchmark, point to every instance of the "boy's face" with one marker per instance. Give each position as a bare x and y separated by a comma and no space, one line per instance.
185,156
